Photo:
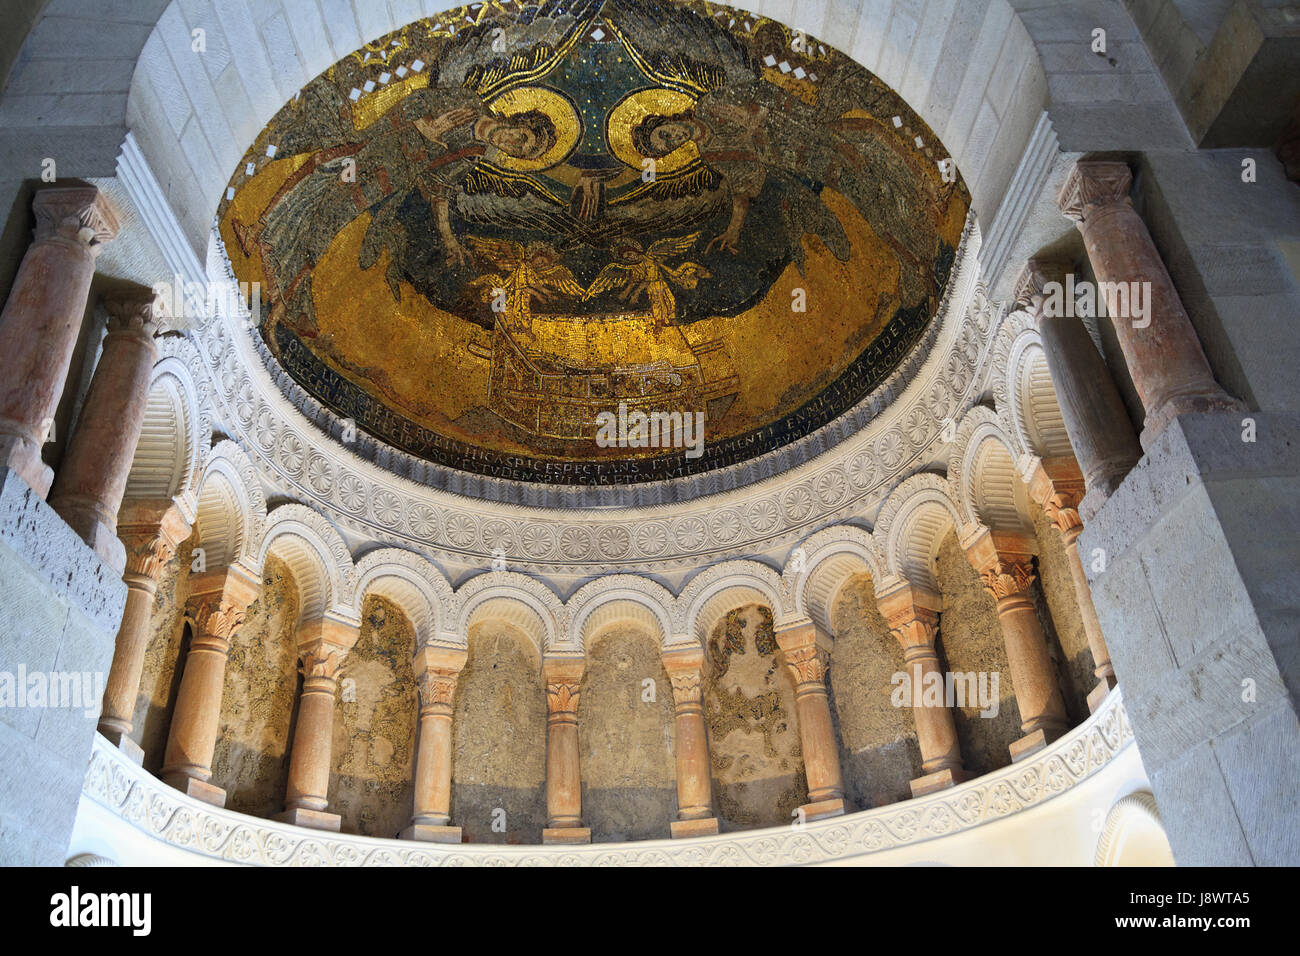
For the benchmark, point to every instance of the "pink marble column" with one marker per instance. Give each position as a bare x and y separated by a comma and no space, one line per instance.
1005,563
151,530
563,773
322,647
92,478
1165,358
437,670
42,319
807,659
912,614
1105,445
694,772
217,604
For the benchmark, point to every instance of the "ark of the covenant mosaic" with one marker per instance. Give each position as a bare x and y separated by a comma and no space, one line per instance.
480,236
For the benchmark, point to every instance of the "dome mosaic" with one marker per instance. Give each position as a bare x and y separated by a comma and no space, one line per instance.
486,234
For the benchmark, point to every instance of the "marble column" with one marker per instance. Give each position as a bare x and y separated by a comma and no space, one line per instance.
88,489
42,320
912,614
437,670
695,817
1061,505
1105,445
322,646
1163,354
563,773
805,652
152,531
216,607
1005,564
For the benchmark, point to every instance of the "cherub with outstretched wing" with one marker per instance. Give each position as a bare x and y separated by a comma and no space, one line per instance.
523,274
647,273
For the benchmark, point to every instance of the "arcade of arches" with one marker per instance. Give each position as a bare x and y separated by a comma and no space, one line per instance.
306,373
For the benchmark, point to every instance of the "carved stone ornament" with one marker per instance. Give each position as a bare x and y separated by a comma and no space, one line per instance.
686,686
562,697
807,664
1005,578
437,690
1092,184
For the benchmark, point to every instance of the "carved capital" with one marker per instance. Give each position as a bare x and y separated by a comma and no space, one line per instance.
77,214
133,310
147,552
437,690
687,686
1006,578
1062,509
215,616
808,664
562,698
1035,277
322,661
1094,183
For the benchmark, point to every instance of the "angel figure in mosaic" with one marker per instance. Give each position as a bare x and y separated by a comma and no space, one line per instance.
637,271
524,273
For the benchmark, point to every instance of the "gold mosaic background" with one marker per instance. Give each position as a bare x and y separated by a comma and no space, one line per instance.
378,289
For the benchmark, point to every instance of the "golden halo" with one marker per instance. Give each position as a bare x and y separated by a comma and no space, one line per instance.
628,114
563,114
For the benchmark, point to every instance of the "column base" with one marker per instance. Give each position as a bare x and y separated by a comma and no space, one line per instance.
103,540
23,458
118,738
431,833
1032,743
1159,419
1097,696
198,789
566,835
312,819
939,780
685,829
822,809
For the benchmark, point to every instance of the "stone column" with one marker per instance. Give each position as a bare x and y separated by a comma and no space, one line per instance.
322,646
92,478
805,652
694,772
1005,563
1062,507
151,530
42,320
437,669
1096,421
1164,357
216,607
563,774
912,614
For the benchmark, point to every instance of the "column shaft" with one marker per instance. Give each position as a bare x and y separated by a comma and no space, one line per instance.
323,646
216,608
563,772
808,664
151,531
438,669
92,478
41,321
1164,355
694,771
1096,421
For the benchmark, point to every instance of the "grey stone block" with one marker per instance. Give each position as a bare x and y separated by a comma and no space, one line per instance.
1197,812
1260,762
